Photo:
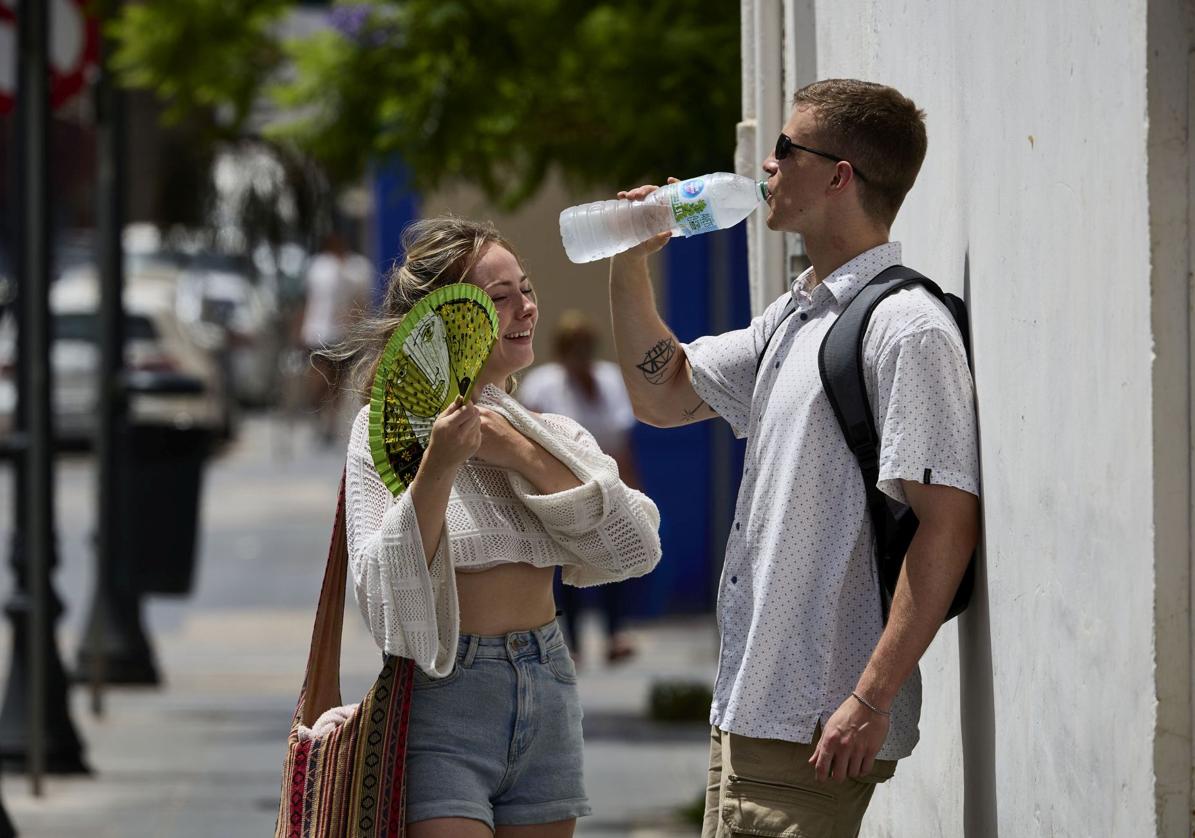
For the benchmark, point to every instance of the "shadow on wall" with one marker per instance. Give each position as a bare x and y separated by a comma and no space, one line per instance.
978,712
977,690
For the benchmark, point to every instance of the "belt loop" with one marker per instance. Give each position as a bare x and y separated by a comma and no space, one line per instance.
543,646
471,652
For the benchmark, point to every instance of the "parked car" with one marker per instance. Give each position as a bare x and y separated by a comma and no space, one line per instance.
155,341
218,290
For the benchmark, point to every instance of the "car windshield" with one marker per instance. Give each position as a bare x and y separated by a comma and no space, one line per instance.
86,327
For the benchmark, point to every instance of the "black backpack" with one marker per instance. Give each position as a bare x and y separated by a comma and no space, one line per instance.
840,361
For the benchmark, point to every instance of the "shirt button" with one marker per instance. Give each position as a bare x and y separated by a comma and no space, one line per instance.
804,316
777,365
737,525
734,580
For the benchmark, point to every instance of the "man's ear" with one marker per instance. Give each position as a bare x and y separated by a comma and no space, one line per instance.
842,176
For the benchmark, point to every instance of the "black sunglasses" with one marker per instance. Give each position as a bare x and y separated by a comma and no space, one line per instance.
785,145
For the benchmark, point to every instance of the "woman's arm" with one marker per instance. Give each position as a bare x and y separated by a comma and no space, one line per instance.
611,529
455,437
505,447
406,591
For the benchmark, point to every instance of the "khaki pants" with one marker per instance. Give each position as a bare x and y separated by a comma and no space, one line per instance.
766,787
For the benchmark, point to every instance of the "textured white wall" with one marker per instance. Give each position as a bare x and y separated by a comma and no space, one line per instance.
1032,201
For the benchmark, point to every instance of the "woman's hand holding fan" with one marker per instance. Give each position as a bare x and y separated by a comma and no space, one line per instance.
455,437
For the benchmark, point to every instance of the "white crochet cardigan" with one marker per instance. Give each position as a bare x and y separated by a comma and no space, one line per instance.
600,531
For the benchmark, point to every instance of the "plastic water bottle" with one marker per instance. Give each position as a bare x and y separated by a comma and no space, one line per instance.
698,205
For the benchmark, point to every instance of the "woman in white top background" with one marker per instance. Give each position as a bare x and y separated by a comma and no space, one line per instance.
456,573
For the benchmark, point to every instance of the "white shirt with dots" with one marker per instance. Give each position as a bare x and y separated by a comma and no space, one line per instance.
799,602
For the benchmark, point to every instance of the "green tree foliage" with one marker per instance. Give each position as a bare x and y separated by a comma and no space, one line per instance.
496,92
491,92
205,60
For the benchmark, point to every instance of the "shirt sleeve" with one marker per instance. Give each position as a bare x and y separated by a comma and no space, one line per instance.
724,366
410,607
611,530
925,414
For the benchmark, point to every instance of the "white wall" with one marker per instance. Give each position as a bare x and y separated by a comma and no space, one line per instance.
1033,203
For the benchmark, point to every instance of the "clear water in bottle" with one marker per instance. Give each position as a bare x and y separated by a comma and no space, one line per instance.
689,208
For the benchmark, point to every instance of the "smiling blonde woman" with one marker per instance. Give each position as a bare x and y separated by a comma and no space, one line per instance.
457,572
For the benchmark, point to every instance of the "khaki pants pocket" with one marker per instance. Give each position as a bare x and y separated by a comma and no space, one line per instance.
754,807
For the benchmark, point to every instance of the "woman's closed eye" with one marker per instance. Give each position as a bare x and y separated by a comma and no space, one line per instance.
526,292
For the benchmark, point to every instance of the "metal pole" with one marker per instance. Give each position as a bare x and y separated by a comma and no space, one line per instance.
34,19
115,649
110,218
36,732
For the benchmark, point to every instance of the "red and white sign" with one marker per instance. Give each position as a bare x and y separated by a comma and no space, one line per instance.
74,50
8,56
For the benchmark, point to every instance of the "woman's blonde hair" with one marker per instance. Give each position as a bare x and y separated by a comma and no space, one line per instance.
437,252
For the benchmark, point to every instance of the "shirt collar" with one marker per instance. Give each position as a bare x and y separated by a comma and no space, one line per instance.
844,283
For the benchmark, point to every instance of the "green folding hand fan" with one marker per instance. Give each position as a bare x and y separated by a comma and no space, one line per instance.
433,356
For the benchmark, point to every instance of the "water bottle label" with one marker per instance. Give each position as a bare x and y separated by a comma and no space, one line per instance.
691,208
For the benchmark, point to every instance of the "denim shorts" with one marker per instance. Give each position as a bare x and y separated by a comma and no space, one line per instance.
499,739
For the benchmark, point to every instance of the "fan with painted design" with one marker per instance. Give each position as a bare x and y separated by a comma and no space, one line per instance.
433,356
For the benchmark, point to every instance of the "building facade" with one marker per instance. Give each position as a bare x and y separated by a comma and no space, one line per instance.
1056,199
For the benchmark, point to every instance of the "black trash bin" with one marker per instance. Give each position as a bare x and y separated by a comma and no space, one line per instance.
161,482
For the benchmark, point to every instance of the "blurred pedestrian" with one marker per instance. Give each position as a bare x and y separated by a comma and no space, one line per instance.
578,385
812,684
456,572
339,284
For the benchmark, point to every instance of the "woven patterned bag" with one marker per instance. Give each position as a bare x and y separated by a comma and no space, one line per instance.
345,771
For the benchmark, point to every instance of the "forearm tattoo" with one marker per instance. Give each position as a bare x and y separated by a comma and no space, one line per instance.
655,362
691,415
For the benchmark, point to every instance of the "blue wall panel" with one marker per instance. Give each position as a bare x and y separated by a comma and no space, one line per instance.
395,206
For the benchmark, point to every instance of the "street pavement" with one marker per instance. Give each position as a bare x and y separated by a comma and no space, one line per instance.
200,756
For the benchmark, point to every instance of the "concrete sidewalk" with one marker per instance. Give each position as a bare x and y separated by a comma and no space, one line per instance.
201,755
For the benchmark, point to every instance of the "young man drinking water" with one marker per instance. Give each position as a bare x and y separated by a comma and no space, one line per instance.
816,697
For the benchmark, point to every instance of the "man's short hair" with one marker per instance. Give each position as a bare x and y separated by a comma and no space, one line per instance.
877,129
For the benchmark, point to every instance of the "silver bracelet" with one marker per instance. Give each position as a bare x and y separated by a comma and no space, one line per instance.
869,705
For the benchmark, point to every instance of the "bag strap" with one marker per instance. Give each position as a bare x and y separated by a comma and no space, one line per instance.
790,308
840,362
321,684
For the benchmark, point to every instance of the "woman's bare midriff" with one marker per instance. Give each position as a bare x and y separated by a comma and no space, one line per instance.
506,598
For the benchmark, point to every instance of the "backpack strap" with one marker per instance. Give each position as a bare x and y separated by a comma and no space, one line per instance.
840,362
790,308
